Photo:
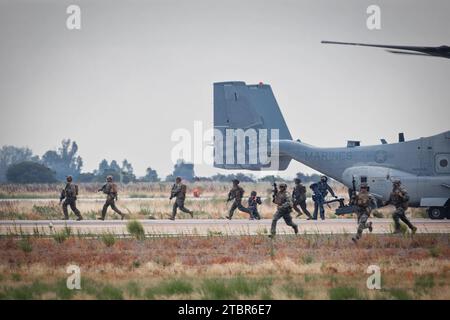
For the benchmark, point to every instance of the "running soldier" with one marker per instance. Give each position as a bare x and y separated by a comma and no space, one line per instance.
399,198
110,189
179,192
69,195
284,209
253,202
299,198
362,202
236,193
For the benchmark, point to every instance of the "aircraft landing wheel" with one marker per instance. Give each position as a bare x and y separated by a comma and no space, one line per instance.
436,213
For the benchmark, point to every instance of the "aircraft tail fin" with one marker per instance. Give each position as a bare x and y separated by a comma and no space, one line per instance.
247,108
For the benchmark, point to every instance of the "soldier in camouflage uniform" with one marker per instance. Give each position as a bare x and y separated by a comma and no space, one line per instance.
253,202
110,189
69,195
299,198
399,198
284,209
236,193
322,189
179,192
362,203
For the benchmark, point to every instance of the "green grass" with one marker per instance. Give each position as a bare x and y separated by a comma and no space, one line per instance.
136,229
25,245
435,252
108,239
216,289
48,211
307,259
399,294
109,292
169,288
224,289
61,290
424,282
344,293
60,236
133,289
295,290
26,292
16,277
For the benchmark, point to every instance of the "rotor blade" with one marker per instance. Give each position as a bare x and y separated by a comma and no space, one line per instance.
413,48
409,53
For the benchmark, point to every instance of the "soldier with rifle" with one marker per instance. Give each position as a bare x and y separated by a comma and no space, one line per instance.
253,202
362,204
284,208
399,198
179,193
299,198
236,193
69,195
110,189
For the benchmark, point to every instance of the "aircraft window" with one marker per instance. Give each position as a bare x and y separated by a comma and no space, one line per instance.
443,163
364,179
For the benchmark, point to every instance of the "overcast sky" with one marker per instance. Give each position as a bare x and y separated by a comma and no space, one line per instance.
138,70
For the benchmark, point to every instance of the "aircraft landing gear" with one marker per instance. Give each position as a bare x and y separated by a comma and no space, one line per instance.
437,212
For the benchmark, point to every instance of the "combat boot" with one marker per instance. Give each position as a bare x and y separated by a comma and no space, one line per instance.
101,218
355,240
296,229
192,214
369,225
397,231
79,218
172,218
228,217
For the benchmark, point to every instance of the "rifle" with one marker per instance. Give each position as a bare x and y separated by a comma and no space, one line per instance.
353,187
346,209
317,195
62,196
274,190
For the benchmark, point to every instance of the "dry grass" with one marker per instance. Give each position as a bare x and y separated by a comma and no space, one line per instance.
306,267
143,201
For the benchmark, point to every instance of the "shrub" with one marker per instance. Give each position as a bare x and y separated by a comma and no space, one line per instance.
108,239
60,236
136,229
25,245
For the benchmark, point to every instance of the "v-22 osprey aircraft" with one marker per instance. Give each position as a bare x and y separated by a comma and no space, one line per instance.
422,165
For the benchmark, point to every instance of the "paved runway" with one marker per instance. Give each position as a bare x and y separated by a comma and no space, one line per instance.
213,226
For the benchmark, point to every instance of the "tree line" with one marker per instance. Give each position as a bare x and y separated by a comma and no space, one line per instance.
20,165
